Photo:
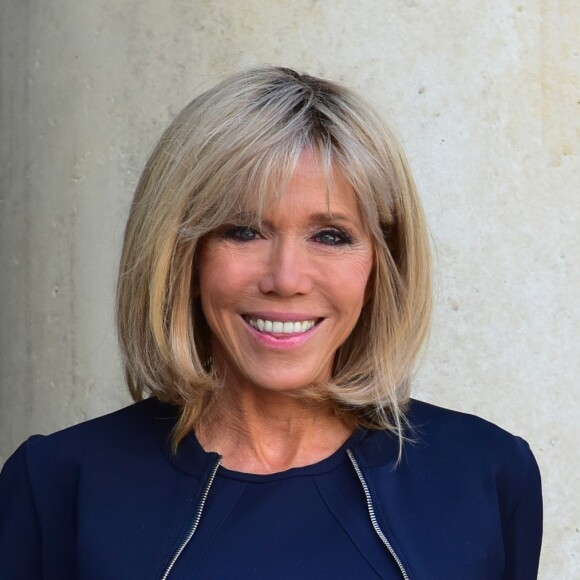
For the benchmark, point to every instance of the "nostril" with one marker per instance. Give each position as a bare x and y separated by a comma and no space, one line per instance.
287,274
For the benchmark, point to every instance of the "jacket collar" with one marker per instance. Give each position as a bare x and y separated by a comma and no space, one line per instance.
192,458
377,448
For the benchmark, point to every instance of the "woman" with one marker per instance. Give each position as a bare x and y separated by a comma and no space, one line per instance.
274,293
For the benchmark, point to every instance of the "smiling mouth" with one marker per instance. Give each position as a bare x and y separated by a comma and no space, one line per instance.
279,327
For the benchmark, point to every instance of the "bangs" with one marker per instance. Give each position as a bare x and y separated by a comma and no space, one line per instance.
247,185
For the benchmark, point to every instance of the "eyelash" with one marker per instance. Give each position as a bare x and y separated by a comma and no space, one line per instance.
238,233
340,236
235,233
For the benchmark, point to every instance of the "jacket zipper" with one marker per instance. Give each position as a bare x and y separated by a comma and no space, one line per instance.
373,516
209,483
194,523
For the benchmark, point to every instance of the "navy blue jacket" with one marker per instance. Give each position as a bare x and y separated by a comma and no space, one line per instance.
107,499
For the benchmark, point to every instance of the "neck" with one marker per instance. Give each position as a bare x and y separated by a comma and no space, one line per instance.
263,432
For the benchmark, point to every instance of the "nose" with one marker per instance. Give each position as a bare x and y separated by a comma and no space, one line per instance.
287,271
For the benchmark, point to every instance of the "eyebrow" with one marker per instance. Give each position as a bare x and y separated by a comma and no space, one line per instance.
329,217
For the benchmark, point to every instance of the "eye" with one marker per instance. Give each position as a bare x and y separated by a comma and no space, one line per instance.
241,233
332,237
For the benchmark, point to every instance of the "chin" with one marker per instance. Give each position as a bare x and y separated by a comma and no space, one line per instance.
292,384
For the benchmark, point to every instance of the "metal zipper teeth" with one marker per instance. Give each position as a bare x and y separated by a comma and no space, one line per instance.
195,522
373,516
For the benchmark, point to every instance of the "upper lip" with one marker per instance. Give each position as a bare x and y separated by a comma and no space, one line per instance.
282,316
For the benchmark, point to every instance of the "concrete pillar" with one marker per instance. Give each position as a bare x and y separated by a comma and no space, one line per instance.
485,97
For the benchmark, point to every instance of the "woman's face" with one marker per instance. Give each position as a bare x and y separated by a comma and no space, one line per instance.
280,298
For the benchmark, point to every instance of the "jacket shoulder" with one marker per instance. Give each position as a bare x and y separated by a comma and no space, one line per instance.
477,484
447,439
431,424
131,431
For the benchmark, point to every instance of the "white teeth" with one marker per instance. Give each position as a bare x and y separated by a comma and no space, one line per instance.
275,326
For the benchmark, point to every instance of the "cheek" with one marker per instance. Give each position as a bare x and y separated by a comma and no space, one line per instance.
351,281
211,277
359,269
223,275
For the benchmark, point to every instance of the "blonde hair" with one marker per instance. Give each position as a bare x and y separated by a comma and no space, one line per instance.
238,143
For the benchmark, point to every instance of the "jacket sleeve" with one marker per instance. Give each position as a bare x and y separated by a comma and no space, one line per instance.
523,527
20,539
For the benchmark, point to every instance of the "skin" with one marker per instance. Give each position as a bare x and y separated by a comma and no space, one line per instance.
310,259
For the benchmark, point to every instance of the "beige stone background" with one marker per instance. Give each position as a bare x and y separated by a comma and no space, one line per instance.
485,95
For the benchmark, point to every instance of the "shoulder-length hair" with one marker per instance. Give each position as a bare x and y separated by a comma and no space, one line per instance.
238,144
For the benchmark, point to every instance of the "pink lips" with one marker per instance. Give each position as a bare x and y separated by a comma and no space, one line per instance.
281,341
282,316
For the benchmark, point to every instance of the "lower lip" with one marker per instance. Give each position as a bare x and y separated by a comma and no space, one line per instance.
281,341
